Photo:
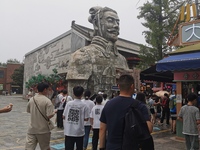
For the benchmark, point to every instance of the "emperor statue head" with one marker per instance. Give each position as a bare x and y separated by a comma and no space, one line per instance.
106,23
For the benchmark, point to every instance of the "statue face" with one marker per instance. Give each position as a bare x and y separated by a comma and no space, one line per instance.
110,26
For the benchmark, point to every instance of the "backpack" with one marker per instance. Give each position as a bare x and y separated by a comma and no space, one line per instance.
135,129
172,102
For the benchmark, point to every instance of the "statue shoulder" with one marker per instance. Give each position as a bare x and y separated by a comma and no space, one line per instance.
80,65
83,51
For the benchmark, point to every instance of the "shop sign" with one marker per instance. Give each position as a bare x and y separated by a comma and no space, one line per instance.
189,32
115,87
184,76
178,98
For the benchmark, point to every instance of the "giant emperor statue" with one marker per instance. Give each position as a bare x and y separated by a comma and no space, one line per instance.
94,66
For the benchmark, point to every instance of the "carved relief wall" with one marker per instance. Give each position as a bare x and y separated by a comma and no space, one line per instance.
50,56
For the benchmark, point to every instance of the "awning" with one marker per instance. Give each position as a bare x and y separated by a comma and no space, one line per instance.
153,75
189,61
187,49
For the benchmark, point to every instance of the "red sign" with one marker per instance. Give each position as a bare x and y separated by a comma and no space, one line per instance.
190,75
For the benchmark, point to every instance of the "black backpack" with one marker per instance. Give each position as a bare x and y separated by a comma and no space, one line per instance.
136,131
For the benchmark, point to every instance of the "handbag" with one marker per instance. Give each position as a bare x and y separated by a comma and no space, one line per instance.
49,122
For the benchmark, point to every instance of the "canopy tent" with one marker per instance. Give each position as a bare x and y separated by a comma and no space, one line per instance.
153,75
186,61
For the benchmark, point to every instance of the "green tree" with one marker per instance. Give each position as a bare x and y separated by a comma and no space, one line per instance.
147,56
3,64
18,76
53,79
13,61
160,17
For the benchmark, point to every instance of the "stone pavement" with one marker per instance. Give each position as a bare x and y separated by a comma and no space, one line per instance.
13,128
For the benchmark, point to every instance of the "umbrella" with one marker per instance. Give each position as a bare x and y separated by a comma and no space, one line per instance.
161,93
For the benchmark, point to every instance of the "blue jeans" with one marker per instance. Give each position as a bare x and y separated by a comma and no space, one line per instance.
86,136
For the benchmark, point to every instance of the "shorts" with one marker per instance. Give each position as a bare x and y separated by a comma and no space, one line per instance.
173,116
42,139
152,110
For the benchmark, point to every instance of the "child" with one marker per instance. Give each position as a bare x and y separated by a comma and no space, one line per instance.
94,118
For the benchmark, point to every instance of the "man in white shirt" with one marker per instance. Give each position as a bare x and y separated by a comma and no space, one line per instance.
94,119
74,115
87,125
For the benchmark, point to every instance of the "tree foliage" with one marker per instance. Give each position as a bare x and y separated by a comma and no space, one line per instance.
3,64
147,56
10,61
52,79
18,76
13,61
160,17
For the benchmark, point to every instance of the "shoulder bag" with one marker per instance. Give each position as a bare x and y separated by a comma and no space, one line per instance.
49,122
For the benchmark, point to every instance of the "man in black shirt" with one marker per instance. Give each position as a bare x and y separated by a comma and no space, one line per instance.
112,117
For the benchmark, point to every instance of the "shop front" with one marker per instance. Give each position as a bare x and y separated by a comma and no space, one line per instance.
186,73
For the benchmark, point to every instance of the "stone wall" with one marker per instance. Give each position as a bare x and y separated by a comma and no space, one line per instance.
43,60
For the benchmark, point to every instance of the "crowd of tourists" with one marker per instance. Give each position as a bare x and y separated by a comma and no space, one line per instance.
77,116
107,118
160,108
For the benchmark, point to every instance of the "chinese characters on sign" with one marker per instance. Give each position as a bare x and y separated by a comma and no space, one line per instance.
193,32
190,33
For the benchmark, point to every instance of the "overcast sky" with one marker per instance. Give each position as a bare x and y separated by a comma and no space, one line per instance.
27,24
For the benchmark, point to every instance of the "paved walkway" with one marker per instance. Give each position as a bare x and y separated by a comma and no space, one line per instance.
13,127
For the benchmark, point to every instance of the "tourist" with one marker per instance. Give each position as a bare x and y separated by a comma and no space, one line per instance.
105,99
95,123
74,115
62,99
151,103
141,97
39,107
87,125
172,106
115,110
30,93
135,93
189,114
165,109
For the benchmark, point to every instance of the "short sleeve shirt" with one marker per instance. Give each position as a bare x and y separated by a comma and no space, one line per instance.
75,112
151,103
90,104
113,115
95,114
38,125
190,115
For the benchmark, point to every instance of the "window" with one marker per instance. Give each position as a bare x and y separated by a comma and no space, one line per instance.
1,74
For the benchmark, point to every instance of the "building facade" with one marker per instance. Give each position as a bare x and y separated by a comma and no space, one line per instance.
6,85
